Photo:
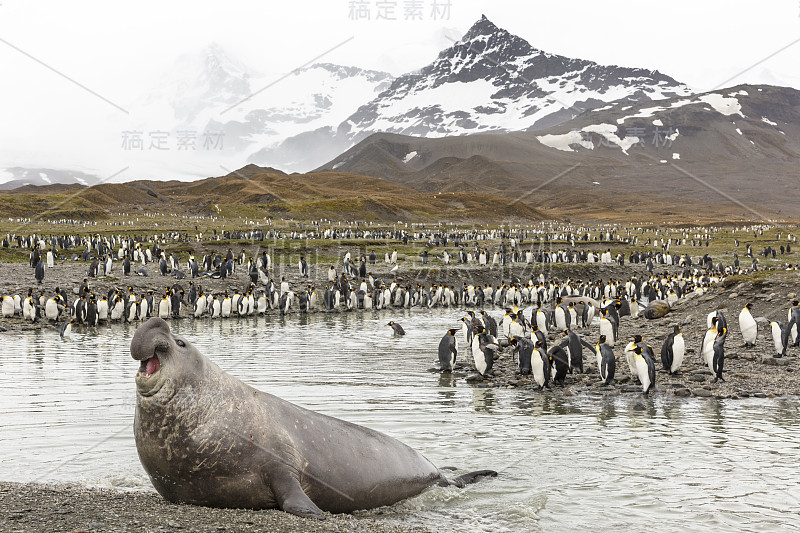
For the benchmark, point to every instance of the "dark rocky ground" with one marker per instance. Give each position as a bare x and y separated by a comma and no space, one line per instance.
61,508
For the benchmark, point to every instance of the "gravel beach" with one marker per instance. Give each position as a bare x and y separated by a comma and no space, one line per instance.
31,507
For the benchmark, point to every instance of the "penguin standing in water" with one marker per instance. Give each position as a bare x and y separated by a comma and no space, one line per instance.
646,370
673,350
748,325
483,350
448,350
780,337
66,328
467,331
558,360
397,329
606,362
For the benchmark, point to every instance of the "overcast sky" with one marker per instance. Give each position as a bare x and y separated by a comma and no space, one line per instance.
120,50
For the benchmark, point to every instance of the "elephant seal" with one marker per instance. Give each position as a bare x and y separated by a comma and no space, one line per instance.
656,309
206,438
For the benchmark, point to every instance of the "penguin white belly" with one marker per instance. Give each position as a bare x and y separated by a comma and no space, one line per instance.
678,352
776,338
711,315
163,308
630,357
515,330
708,348
537,365
477,355
507,327
600,368
608,330
643,373
748,326
561,321
51,310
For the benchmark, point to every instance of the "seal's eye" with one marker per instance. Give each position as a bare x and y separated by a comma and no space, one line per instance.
181,343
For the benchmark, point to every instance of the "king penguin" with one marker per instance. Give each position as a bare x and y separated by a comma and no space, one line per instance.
748,326
448,350
780,337
606,363
673,350
646,370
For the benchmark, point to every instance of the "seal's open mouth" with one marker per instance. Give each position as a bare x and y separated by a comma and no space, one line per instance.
149,367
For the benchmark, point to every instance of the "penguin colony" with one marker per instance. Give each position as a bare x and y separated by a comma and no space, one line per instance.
524,331
609,300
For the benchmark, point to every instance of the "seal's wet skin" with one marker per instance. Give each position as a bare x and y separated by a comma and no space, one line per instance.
206,438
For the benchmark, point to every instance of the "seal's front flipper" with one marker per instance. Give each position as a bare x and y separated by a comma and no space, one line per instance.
290,496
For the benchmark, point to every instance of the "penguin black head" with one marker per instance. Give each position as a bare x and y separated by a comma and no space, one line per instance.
748,306
676,328
637,339
638,350
513,341
452,331
602,339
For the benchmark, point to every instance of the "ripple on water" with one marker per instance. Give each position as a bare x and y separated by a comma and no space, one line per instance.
565,464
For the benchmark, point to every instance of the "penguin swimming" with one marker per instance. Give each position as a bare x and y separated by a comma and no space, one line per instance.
396,328
673,351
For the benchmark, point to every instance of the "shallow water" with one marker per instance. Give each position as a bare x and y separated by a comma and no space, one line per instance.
565,463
